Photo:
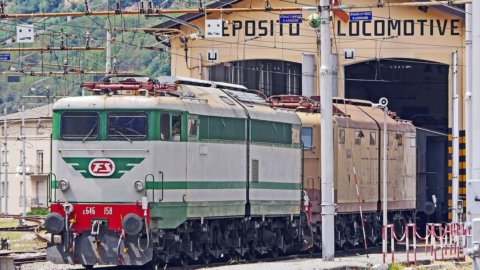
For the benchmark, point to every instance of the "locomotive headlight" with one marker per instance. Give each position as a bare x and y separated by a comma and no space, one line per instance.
139,185
63,185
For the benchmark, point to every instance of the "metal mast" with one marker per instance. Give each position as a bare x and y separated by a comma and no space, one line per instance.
24,178
473,180
5,162
108,52
455,138
385,179
326,89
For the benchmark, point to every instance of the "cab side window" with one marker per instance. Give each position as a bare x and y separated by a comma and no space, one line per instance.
165,127
176,127
170,127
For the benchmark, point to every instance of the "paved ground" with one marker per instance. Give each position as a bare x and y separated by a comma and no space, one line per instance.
350,262
372,261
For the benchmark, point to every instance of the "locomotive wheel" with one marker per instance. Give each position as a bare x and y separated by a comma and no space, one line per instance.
250,253
205,258
182,260
275,251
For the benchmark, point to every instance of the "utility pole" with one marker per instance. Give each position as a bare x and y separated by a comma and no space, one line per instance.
455,143
385,175
108,53
5,162
24,178
108,49
473,181
326,143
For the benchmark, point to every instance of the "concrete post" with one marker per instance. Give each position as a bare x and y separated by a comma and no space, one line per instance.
326,85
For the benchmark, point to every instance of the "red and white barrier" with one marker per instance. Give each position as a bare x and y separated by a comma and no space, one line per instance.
392,241
448,239
414,245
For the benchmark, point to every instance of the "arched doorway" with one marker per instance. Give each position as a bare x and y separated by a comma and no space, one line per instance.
417,90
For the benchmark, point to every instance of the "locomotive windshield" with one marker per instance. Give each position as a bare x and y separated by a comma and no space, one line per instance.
127,126
79,125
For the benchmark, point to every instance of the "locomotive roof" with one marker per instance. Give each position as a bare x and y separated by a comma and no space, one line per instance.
359,116
195,99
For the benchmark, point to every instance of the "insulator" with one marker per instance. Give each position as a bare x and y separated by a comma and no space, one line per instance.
87,8
268,7
87,40
201,6
62,39
118,8
114,64
142,8
2,9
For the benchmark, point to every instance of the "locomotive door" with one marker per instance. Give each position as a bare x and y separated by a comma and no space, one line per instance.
173,179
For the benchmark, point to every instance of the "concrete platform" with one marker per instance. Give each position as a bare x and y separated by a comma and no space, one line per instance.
356,261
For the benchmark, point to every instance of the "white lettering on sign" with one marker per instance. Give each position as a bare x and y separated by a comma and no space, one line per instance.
108,210
25,33
101,167
89,210
212,55
213,28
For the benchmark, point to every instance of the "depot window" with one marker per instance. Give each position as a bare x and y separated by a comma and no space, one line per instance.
127,126
306,134
79,125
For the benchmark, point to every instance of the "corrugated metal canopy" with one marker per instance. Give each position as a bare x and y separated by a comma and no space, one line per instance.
190,17
455,10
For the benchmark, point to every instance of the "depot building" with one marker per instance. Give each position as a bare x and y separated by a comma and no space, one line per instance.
406,54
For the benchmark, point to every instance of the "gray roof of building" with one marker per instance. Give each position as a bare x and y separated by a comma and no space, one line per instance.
191,16
34,113
454,10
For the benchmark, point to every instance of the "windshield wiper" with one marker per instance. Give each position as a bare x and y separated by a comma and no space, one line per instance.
90,133
123,135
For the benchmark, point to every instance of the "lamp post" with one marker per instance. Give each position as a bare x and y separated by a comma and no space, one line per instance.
382,104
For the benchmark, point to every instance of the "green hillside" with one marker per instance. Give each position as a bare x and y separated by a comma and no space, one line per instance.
128,48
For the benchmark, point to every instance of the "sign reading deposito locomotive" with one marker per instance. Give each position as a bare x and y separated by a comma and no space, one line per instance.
101,167
396,28
261,28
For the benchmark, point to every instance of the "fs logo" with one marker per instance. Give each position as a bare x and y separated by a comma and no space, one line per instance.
101,167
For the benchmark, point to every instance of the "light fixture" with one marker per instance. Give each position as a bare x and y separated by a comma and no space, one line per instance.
139,185
63,185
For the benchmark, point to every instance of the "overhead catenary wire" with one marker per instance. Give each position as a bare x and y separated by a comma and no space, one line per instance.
247,44
160,11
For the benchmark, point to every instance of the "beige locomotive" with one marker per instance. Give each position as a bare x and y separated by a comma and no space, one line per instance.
358,159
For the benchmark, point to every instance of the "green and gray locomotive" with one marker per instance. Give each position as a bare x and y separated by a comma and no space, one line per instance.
147,171
175,170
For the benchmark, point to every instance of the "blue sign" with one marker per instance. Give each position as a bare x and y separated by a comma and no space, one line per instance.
291,18
361,16
5,56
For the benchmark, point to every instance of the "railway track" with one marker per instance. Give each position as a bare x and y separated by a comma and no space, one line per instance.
15,259
36,227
